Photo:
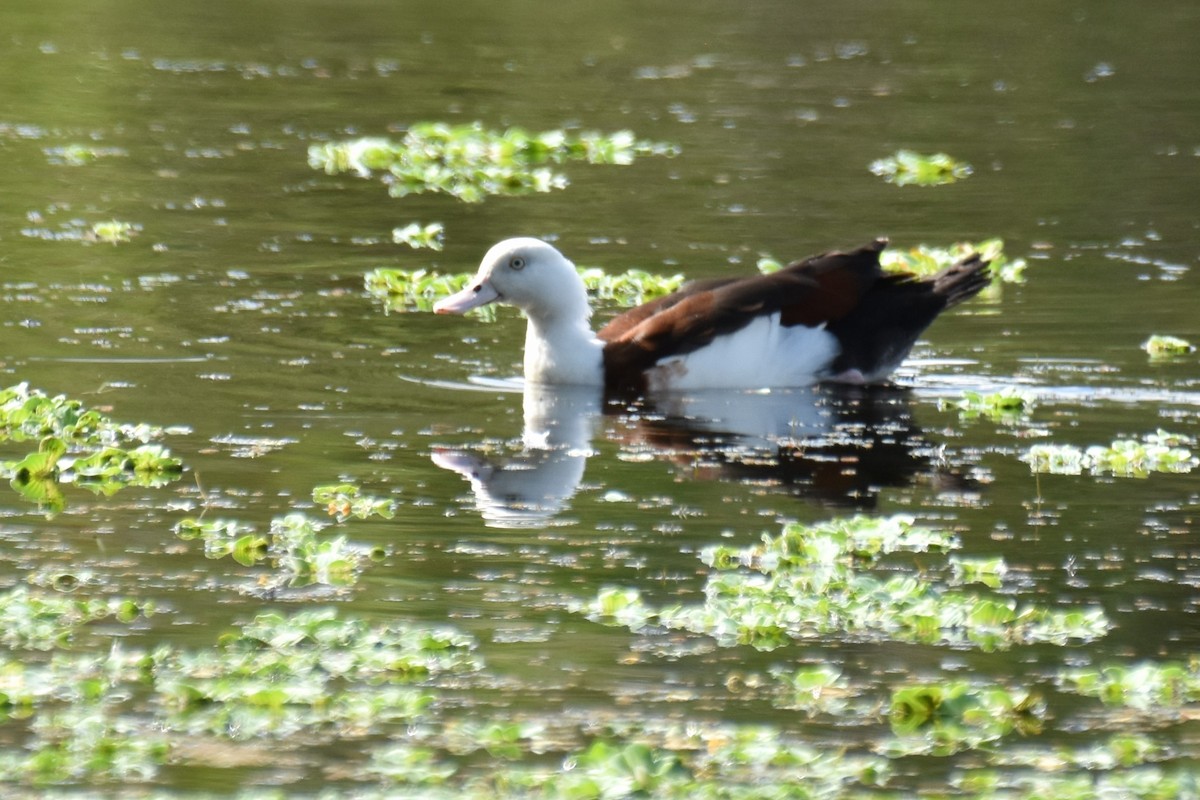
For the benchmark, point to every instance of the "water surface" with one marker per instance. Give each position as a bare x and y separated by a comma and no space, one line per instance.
238,313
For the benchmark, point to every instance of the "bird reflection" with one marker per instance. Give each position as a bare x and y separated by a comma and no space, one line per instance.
528,489
836,446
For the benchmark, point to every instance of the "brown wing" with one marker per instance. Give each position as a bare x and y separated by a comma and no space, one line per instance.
818,290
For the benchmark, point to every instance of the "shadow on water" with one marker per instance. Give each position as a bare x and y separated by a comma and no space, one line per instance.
833,446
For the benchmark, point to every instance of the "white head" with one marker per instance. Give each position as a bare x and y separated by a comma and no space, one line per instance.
560,348
529,274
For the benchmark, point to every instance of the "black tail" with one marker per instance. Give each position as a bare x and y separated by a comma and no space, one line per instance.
878,334
962,281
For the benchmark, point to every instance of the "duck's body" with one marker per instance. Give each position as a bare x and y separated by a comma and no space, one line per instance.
833,317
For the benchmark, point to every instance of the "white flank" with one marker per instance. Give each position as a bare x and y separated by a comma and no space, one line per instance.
763,354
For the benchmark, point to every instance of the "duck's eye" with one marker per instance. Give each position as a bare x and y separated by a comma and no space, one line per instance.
517,263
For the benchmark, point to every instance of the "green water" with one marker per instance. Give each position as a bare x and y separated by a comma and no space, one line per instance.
238,313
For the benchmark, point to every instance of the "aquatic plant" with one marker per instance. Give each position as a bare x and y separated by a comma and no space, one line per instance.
1118,751
225,538
345,500
420,289
944,718
630,288
35,620
1042,782
1155,452
472,163
671,761
78,445
1008,405
1161,347
821,689
417,236
811,581
85,743
76,155
294,548
988,571
909,168
924,260
1145,686
112,232
304,557
281,673
27,413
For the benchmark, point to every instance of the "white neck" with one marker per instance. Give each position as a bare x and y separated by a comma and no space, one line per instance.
562,350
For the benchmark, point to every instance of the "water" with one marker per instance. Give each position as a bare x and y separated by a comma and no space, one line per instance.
238,312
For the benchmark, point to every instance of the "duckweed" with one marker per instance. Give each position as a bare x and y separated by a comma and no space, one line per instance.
85,743
419,290
471,163
294,548
417,236
944,718
78,445
908,168
345,500
1008,405
36,620
281,673
1144,686
77,155
1161,347
225,538
630,288
27,413
1155,452
813,581
924,260
112,232
402,290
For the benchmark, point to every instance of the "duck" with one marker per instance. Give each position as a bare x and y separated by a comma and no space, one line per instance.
835,317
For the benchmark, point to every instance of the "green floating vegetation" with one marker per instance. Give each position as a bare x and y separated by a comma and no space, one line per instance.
404,290
813,581
76,155
282,673
924,260
312,671
944,718
1146,686
472,163
345,500
30,414
821,689
77,445
86,743
1142,783
988,571
1119,751
1008,405
293,549
1163,348
418,290
112,232
1156,452
669,761
417,236
36,620
630,288
909,168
